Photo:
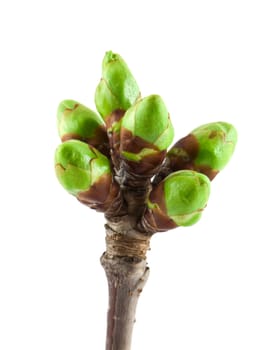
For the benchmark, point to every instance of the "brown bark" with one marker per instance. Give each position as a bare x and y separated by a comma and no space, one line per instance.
126,269
126,279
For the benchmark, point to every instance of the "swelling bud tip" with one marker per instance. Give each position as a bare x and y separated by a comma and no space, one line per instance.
117,89
146,132
207,149
86,173
76,121
178,200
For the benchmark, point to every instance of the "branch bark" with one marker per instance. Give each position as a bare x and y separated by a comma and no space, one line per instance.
126,279
126,270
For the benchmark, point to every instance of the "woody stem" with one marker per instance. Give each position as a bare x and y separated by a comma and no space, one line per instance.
126,275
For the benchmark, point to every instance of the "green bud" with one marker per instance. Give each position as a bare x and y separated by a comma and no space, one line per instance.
186,195
78,166
178,200
146,132
76,121
149,120
217,142
117,89
207,149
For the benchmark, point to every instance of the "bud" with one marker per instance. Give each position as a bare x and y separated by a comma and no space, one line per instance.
146,132
76,121
206,149
177,201
85,173
117,89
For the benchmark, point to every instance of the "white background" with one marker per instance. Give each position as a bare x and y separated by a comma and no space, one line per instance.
210,284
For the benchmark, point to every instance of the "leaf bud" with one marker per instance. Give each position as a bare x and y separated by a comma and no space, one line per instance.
178,200
146,132
117,89
207,149
85,173
75,121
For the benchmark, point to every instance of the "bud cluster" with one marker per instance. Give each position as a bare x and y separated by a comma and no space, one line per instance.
128,138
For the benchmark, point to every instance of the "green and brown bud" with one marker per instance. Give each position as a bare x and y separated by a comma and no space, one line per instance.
117,89
78,122
146,132
85,173
177,201
207,149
